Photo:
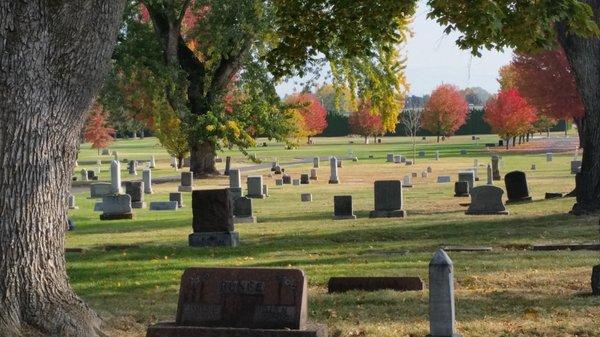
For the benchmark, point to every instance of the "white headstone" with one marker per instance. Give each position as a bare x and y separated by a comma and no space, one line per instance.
333,164
441,296
115,176
235,178
147,177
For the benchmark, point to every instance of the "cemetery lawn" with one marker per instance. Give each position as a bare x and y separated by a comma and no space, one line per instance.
510,291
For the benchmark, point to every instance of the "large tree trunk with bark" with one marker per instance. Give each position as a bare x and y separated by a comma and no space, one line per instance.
53,58
584,57
202,161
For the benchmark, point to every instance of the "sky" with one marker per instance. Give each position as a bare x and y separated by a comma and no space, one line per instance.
433,59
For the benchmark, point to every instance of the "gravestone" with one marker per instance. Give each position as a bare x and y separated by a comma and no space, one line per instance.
354,159
333,165
339,163
187,182
304,179
306,197
235,192
468,176
116,207
265,190
490,180
84,175
402,159
390,158
296,182
287,180
388,200
550,195
407,181
442,321
131,168
241,302
212,219
105,152
273,166
342,207
313,174
461,189
255,185
409,162
397,159
115,177
100,190
533,167
345,284
414,174
174,162
235,178
516,187
71,202
164,206
278,170
495,168
575,166
596,280
227,165
316,162
147,177
242,211
429,169
437,155
486,200
152,162
278,182
177,197
549,156
443,179
135,189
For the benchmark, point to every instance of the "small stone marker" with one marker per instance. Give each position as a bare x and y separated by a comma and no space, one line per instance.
414,174
147,177
187,182
390,158
242,211
235,178
91,175
212,219
468,176
596,280
490,180
342,207
152,162
136,190
296,182
407,181
115,177
265,190
287,180
100,190
388,200
164,206
344,284
339,163
105,152
333,165
516,187
549,156
278,170
495,168
116,207
255,187
306,197
443,179
131,168
313,174
304,179
533,167
227,165
576,166
176,197
442,321
397,159
316,162
71,202
409,162
236,192
461,189
278,182
486,200
84,176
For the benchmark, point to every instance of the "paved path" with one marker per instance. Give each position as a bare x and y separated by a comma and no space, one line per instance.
543,145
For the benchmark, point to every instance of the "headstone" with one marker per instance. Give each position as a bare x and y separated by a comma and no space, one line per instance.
424,174
516,187
486,200
235,192
131,168
442,321
265,190
414,174
187,162
115,155
84,175
255,185
218,160
306,197
187,182
533,167
390,158
115,177
296,182
100,190
116,207
388,200
596,280
235,178
339,163
164,206
495,168
227,165
575,166
177,197
403,159
342,207
429,169
333,165
437,155
174,162
278,170
313,174
468,176
71,201
549,156
316,162
443,179
242,211
490,180
278,182
273,166
304,179
212,219
354,159
397,159
344,284
461,189
409,162
421,154
105,152
135,189
407,182
152,162
147,177
287,180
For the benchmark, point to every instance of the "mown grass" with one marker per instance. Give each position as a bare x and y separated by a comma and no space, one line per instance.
510,291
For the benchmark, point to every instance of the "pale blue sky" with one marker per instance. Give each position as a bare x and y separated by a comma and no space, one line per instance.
434,58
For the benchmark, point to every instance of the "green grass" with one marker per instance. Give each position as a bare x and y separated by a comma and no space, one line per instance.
507,292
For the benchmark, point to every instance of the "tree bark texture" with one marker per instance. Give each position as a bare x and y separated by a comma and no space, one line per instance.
53,58
584,56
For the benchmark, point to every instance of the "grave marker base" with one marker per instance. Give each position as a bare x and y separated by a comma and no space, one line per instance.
172,330
250,219
214,239
462,195
126,216
516,201
344,217
486,213
185,188
400,213
334,181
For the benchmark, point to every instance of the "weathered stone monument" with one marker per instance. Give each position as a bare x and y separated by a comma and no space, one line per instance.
442,319
100,190
115,177
516,187
486,200
212,219
287,179
549,156
407,181
187,182
496,168
306,197
241,302
388,200
71,202
333,164
278,182
490,180
255,187
304,179
116,207
227,165
152,162
164,206
84,175
132,168
443,179
397,159
468,176
147,177
461,189
390,158
342,207
265,190
135,189
177,197
313,174
235,178
242,211
429,169
296,182
316,162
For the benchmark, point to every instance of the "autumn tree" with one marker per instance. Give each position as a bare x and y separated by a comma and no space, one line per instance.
509,115
365,123
445,112
97,130
310,114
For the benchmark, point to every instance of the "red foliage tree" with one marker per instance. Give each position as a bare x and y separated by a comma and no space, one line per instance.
97,130
364,123
445,112
509,114
314,114
546,81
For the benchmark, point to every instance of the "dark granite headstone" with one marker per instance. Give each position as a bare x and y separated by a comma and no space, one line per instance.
496,168
342,207
227,165
388,199
287,180
486,200
212,219
304,179
178,197
516,187
136,190
91,174
461,189
242,210
596,280
344,284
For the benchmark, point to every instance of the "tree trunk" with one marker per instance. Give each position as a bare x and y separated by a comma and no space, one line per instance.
584,56
53,58
202,161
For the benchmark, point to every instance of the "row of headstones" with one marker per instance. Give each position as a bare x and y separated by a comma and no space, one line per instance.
132,166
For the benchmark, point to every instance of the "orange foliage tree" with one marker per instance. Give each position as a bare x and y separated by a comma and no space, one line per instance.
311,114
97,130
445,112
365,123
509,114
